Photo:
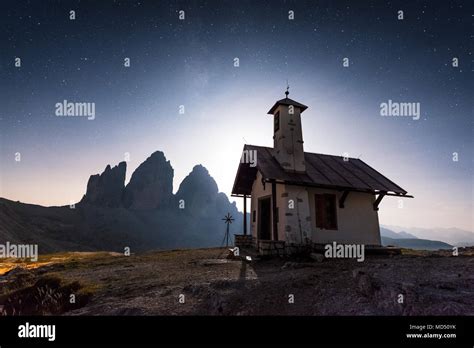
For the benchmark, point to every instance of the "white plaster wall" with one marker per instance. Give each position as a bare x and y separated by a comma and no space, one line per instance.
357,222
295,219
288,140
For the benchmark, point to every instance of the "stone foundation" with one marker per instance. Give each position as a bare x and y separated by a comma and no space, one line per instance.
243,240
270,247
298,248
281,248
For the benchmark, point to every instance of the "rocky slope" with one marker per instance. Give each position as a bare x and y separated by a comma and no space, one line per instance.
432,283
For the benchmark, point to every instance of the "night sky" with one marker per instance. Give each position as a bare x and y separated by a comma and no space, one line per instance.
190,63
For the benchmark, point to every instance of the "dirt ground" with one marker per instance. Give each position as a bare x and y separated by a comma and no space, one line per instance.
205,282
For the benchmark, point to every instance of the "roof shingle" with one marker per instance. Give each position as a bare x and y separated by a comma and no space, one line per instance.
321,171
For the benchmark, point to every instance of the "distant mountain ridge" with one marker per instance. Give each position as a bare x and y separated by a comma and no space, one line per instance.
106,189
414,243
143,215
452,236
406,240
151,184
385,232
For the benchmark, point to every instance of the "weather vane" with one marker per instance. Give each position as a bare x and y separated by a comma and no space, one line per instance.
228,220
287,88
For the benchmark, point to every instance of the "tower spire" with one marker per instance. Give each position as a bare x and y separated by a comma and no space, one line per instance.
288,133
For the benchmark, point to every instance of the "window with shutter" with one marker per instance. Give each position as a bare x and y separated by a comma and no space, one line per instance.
331,212
319,211
326,211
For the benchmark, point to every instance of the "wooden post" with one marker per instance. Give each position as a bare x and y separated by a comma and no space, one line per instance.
274,211
245,215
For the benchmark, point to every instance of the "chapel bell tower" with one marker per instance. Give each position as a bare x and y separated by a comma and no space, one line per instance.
288,134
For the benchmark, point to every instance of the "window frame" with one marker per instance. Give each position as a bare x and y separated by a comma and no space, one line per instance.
323,202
